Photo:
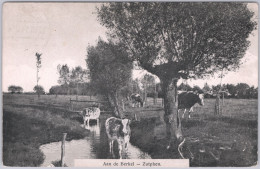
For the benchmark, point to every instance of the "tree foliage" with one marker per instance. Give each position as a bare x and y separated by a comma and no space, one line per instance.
38,64
72,89
78,75
184,87
181,39
64,74
135,86
39,89
241,89
110,70
148,82
69,76
148,79
15,89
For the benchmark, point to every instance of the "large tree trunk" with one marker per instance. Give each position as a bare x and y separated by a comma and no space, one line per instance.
113,100
171,118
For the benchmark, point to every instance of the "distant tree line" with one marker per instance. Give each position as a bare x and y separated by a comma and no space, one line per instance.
39,90
72,89
18,90
241,90
15,89
71,80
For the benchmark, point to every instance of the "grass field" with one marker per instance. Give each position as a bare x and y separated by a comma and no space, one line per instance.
228,140
29,122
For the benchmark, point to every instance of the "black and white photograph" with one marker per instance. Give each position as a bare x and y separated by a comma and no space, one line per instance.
130,84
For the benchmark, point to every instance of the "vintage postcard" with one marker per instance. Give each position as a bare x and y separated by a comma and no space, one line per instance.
130,84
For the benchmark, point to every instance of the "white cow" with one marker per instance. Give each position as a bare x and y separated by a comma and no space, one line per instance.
90,113
118,130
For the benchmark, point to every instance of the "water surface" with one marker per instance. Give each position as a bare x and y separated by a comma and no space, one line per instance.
94,146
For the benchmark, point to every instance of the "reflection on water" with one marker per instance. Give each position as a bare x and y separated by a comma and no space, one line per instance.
135,153
94,146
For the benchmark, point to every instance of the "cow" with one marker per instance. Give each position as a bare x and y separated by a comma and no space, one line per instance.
118,130
90,113
137,101
186,100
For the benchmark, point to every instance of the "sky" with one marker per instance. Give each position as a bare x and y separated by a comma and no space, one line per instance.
62,32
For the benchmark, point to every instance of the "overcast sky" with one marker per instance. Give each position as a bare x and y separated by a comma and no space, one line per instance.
62,32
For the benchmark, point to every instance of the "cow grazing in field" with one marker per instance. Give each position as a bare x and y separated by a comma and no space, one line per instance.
186,100
137,101
118,130
90,113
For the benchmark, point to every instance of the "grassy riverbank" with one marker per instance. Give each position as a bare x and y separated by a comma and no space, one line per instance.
28,124
229,140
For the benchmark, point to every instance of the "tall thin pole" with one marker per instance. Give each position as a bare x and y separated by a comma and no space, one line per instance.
63,149
38,66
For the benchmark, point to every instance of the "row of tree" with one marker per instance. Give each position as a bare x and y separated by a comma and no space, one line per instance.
18,89
147,87
241,90
72,81
15,89
72,89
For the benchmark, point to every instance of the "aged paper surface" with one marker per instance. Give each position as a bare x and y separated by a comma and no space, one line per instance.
67,68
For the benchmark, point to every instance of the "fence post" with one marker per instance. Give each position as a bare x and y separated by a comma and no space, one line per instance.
70,104
155,94
155,98
162,102
63,149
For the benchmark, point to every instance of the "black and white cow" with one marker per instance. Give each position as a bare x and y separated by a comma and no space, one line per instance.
90,113
136,99
118,130
186,100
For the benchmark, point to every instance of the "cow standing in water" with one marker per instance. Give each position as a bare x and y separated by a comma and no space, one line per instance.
90,113
118,130
186,100
137,101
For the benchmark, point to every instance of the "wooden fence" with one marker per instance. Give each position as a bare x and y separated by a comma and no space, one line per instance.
149,101
153,101
93,102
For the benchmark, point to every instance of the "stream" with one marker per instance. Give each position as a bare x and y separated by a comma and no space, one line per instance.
94,146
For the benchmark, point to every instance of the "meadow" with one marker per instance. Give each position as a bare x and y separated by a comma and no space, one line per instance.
29,122
226,140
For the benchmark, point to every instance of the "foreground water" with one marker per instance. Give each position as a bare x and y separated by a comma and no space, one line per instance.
94,146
